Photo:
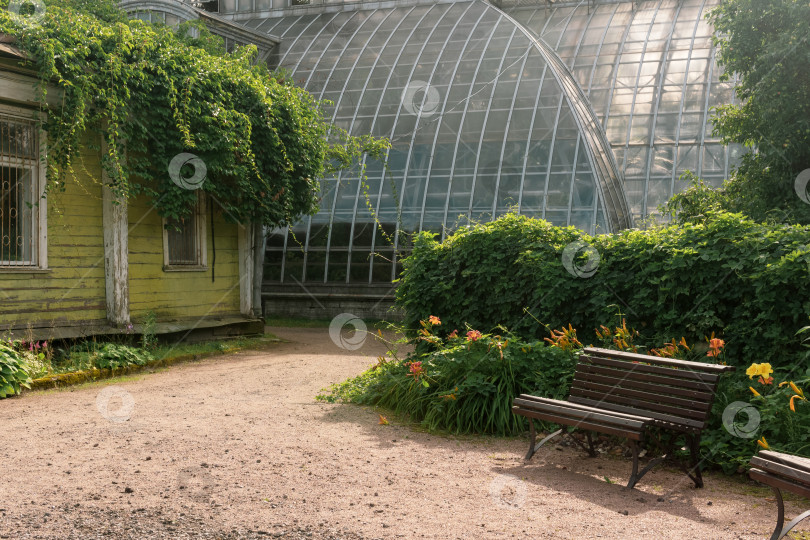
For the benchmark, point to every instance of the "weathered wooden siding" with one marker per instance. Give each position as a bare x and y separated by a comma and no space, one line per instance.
71,291
180,294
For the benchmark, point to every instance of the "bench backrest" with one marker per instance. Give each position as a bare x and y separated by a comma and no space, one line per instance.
677,393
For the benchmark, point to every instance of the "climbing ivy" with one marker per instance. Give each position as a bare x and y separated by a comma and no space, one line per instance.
154,92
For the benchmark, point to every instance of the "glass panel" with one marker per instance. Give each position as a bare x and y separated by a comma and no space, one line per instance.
382,266
337,266
359,270
293,266
316,263
272,266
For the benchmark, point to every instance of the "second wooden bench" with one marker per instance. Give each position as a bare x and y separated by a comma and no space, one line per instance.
782,472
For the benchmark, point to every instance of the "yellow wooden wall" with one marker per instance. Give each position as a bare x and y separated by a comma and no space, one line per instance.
179,294
71,291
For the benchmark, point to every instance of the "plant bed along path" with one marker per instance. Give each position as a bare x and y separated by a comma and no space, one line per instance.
237,447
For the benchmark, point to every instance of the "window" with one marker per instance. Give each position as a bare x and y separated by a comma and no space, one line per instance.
184,242
22,218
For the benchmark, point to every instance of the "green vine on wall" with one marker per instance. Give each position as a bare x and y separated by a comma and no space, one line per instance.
153,92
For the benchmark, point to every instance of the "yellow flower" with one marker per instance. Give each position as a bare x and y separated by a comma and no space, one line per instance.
754,391
763,443
796,389
759,370
765,370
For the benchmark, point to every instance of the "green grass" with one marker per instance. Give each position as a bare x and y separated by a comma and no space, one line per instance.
214,347
81,356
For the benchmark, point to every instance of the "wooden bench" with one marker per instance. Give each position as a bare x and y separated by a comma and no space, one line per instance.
782,471
628,394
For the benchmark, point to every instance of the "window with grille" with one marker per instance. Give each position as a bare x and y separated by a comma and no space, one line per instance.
20,220
184,240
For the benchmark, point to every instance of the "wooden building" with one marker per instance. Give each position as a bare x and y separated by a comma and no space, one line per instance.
77,262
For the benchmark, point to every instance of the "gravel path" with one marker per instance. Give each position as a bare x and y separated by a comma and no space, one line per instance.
236,447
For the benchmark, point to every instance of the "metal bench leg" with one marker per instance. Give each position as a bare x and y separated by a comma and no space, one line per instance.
793,523
694,466
533,437
780,531
591,449
634,477
780,516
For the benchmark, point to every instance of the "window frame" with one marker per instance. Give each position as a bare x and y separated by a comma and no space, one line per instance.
200,216
39,214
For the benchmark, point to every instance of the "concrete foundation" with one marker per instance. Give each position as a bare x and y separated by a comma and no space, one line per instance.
322,302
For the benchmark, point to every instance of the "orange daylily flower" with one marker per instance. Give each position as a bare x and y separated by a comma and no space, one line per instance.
792,401
754,391
763,443
434,320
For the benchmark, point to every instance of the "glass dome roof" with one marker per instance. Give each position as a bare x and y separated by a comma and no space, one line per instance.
581,115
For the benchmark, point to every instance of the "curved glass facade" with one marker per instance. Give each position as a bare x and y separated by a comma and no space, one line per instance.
581,115
648,69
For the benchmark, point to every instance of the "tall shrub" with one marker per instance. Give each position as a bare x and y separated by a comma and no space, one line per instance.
745,281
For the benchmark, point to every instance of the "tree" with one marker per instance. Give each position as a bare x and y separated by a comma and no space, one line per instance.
767,43
158,96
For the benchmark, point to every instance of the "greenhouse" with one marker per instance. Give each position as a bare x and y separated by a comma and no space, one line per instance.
581,113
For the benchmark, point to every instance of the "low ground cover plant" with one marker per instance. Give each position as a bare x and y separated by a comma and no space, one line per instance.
114,356
13,370
24,360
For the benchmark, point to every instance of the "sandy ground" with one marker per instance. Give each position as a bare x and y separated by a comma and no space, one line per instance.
237,447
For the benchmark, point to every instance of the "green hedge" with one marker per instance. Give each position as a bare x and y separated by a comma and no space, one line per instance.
747,282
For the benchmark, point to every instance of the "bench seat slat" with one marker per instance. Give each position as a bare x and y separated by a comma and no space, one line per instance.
657,401
583,407
635,435
786,459
645,381
676,421
781,469
672,362
563,408
707,378
779,482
